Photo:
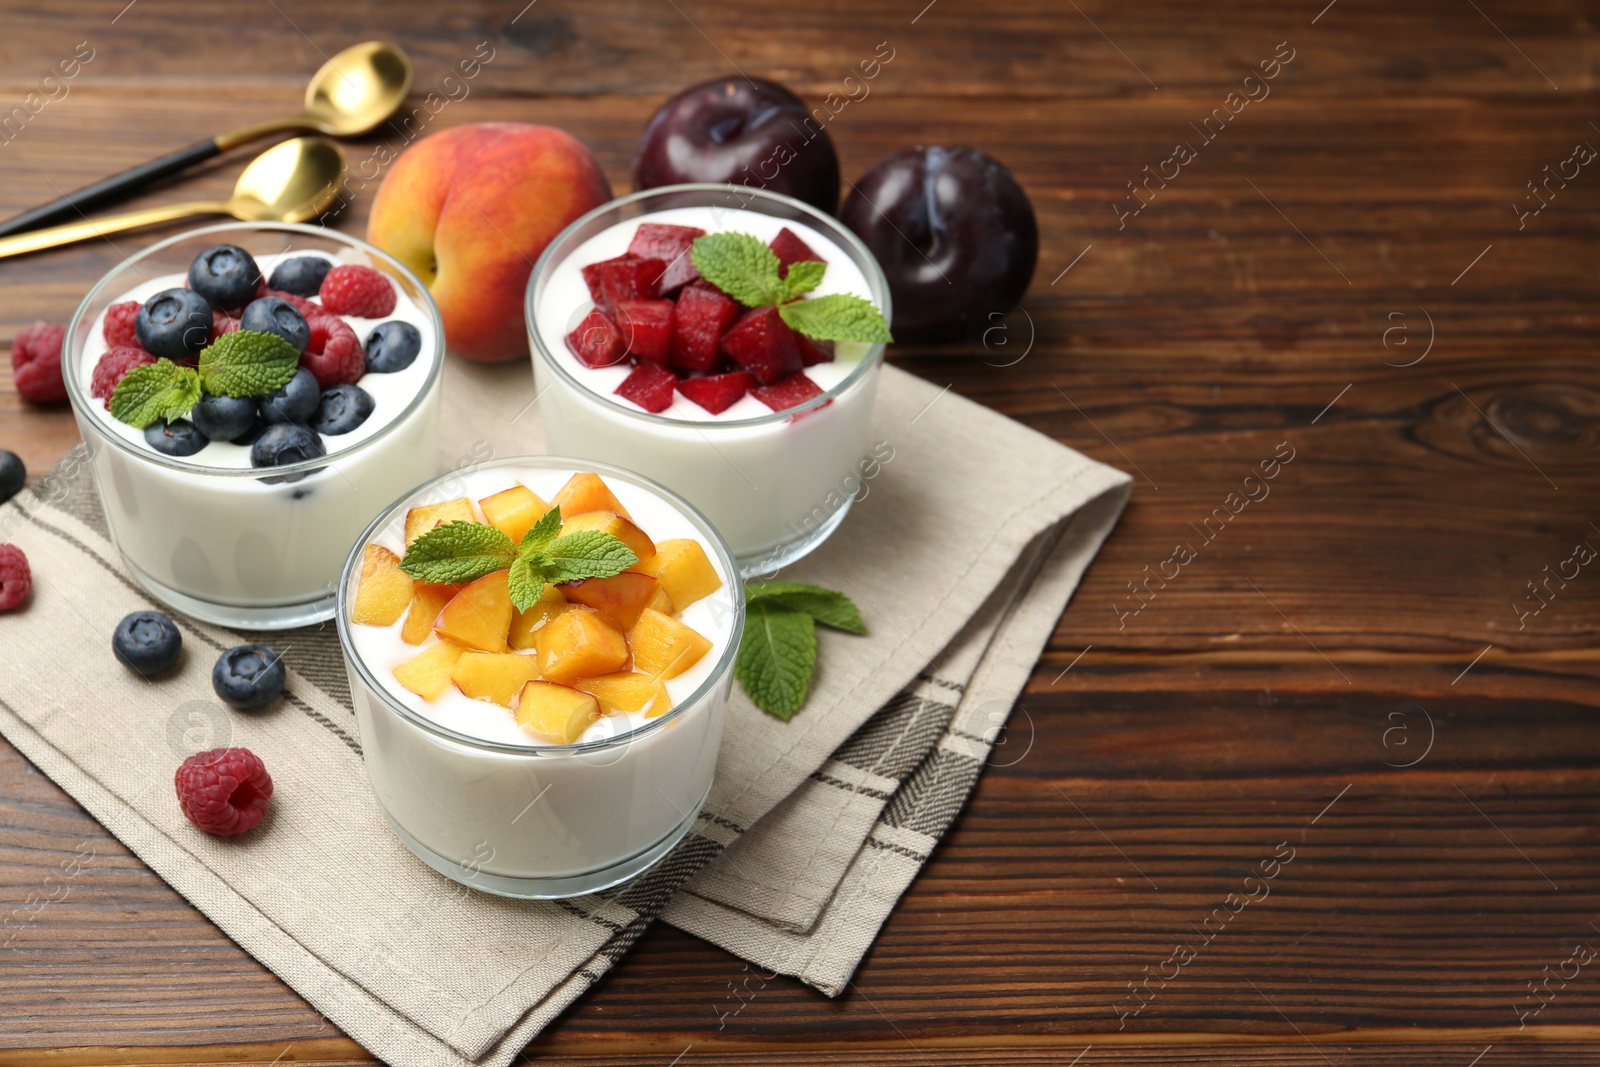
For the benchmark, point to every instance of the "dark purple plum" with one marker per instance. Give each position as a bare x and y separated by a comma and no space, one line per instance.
953,231
747,131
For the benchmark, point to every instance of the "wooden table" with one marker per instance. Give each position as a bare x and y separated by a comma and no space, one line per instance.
1348,673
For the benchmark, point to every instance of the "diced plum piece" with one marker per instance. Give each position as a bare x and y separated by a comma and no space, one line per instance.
791,392
717,392
646,327
650,386
625,278
670,244
762,343
597,341
813,352
790,249
698,321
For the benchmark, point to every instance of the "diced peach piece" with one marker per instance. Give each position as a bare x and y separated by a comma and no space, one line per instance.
664,647
579,643
555,712
661,601
495,676
419,520
586,492
383,591
619,598
427,674
480,615
628,691
525,625
683,569
513,511
427,600
615,525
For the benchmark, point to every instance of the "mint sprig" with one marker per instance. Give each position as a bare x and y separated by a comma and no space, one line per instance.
155,391
242,363
778,651
457,552
748,271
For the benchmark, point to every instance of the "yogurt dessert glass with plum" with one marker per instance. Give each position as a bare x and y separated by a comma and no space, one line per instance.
251,394
545,723
738,400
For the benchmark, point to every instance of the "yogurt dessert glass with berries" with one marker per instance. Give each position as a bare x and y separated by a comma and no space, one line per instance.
553,732
242,435
723,397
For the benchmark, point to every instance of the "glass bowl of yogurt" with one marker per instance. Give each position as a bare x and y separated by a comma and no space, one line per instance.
211,535
561,749
775,481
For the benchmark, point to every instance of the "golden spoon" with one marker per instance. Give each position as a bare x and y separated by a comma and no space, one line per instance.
290,182
352,93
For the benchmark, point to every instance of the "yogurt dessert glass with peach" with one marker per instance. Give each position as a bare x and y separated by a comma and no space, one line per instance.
546,722
641,362
227,500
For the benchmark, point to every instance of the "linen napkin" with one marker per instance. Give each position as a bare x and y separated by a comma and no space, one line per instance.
961,551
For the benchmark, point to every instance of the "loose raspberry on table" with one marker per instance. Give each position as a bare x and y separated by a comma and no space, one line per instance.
114,366
350,289
36,362
118,326
224,791
15,578
334,353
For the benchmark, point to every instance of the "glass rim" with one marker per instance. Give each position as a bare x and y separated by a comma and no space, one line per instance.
71,352
719,671
831,227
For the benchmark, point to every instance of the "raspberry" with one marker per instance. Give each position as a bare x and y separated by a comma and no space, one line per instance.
222,324
15,578
118,325
304,306
358,291
334,355
114,366
224,791
36,362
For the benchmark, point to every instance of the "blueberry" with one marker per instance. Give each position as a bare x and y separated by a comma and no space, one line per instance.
275,315
12,475
226,275
176,438
249,676
294,402
224,418
283,444
253,434
301,275
392,346
342,409
174,324
147,642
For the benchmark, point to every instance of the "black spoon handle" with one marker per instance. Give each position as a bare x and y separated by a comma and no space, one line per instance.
73,205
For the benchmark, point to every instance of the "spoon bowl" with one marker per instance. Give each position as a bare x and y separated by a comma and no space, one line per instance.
357,89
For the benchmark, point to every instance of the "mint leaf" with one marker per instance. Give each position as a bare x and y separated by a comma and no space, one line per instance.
803,277
777,657
824,605
739,265
839,317
159,390
458,552
247,363
541,533
526,582
585,554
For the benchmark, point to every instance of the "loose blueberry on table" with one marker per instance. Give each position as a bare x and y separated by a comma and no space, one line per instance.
248,676
148,643
12,475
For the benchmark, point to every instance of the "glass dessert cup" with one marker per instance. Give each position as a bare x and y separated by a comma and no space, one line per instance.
775,486
530,819
249,548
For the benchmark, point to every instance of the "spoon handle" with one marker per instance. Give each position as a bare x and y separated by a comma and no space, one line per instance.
54,236
73,205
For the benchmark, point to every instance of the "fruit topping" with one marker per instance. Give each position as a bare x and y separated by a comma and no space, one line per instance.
609,522
275,315
513,511
681,568
113,366
555,712
174,324
117,328
176,438
384,591
424,517
493,676
36,362
226,276
224,418
812,351
479,617
790,392
663,647
392,346
628,277
627,692
717,392
669,244
586,491
349,289
790,249
334,355
580,643
597,341
15,578
249,676
698,321
427,674
224,791
650,385
294,402
13,475
527,622
222,325
301,275
762,343
147,643
285,443
620,598
341,410
427,600
646,328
